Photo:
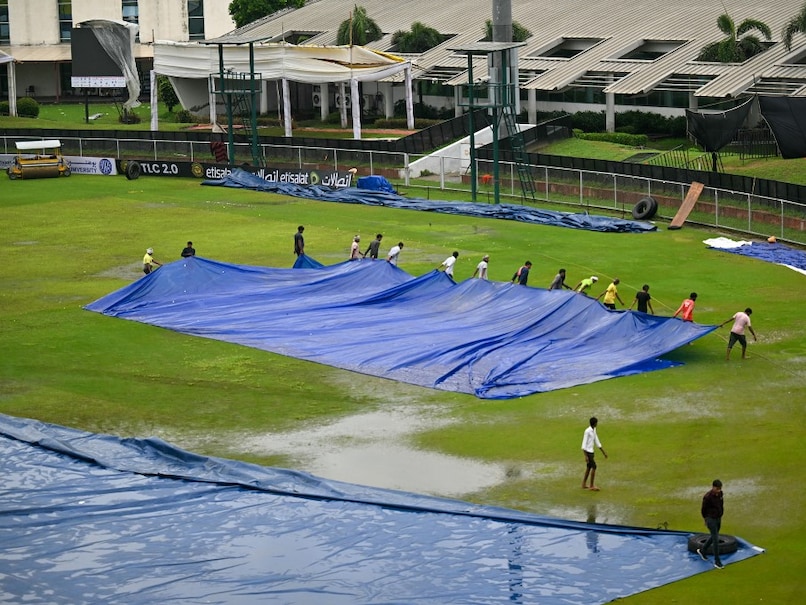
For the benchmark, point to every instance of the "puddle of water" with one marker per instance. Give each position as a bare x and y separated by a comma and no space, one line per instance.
396,466
374,449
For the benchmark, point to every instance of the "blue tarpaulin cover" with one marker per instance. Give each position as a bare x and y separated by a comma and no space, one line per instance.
246,180
375,183
780,254
494,340
88,518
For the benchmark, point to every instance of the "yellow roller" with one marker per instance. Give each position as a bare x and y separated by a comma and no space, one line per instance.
38,160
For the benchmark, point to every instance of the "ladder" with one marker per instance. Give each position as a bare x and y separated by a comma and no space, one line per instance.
519,154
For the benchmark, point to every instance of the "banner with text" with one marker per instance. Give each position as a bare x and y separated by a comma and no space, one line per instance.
200,170
78,164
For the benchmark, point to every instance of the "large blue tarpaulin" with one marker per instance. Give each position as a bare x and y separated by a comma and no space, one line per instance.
88,518
494,340
242,179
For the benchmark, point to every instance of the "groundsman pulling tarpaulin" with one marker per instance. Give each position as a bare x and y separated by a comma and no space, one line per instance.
490,339
88,518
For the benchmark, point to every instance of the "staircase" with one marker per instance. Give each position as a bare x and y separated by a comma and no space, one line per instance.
519,154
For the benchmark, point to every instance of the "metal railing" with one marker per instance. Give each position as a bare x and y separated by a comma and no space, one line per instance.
741,212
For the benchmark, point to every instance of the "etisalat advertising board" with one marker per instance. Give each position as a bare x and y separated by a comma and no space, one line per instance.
201,170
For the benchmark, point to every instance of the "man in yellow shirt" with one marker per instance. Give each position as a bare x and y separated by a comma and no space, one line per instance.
149,262
611,295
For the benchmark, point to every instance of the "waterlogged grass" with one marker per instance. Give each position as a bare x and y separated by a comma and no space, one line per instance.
68,242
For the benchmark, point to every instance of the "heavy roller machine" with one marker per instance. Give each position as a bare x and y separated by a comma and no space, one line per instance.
38,160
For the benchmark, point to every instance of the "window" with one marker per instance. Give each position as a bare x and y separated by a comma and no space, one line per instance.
295,37
131,11
5,30
565,48
650,50
65,19
196,19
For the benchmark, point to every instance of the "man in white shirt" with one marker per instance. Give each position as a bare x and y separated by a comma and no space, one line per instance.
590,441
394,253
448,264
741,321
481,268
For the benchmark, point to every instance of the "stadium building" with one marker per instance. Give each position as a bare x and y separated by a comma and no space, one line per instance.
578,54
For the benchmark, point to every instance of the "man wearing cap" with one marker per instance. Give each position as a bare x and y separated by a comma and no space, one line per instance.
355,253
149,262
481,268
586,284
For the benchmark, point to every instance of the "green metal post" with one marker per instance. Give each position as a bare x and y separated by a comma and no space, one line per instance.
497,113
253,97
471,109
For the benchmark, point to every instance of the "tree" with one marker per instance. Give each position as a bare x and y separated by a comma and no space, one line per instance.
796,24
363,29
166,93
738,45
418,39
519,32
246,11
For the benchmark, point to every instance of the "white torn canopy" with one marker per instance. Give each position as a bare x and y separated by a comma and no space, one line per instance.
310,64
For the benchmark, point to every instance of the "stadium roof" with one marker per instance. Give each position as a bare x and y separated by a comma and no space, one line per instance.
626,48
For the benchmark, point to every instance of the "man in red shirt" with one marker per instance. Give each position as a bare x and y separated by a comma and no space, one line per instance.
687,308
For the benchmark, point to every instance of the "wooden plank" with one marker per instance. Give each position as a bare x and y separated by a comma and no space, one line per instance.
688,204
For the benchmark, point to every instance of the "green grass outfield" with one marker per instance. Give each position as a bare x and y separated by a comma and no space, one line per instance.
67,242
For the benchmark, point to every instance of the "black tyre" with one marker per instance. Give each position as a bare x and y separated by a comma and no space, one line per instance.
66,172
645,209
133,171
727,544
11,174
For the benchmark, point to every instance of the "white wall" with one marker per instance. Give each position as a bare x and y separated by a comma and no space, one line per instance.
33,21
217,20
168,19
84,10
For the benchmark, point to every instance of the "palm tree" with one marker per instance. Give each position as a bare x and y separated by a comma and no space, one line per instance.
796,24
417,40
738,45
358,29
519,32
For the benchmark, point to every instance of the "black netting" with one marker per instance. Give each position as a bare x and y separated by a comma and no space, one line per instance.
714,129
787,119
